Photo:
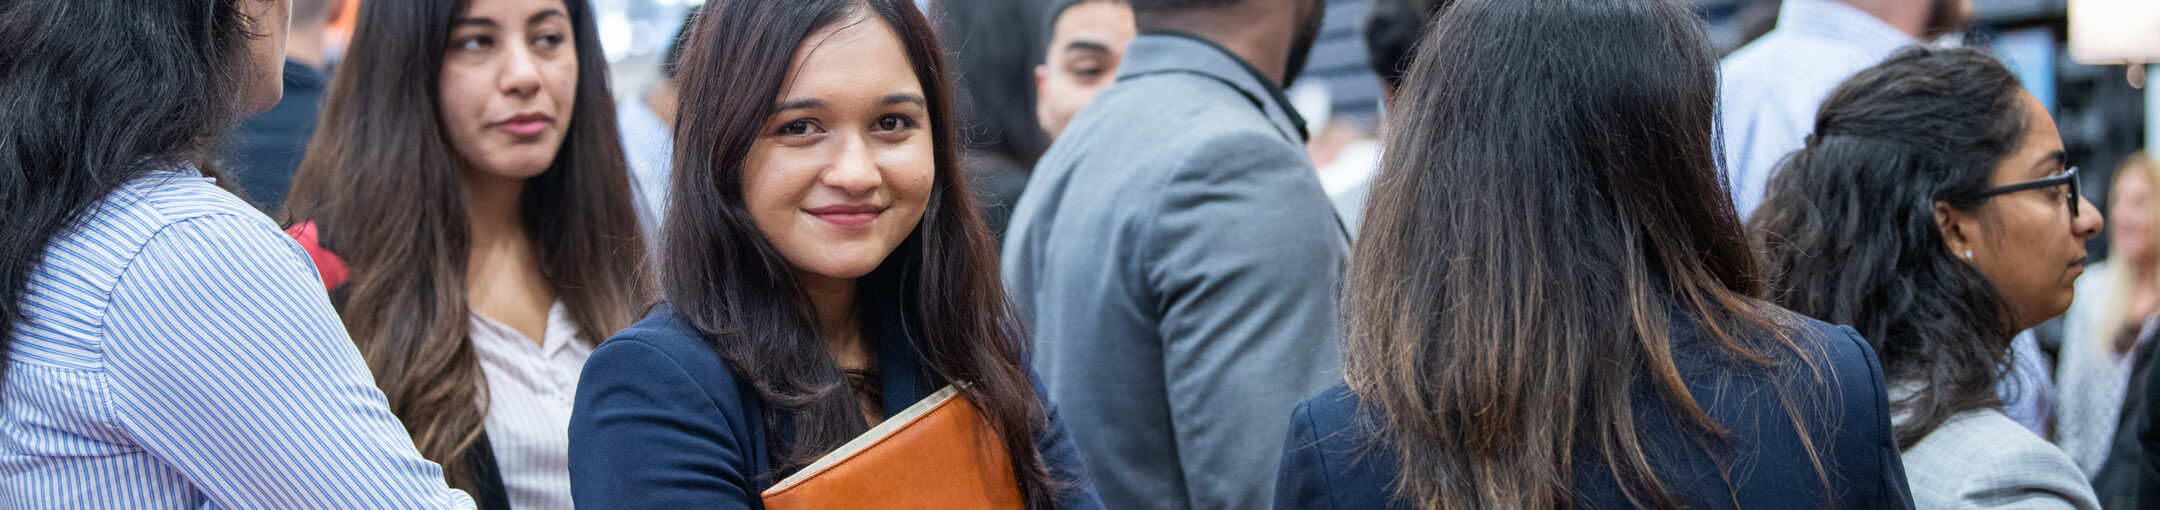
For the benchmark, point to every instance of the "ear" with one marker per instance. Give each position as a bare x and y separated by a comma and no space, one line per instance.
1958,232
1042,74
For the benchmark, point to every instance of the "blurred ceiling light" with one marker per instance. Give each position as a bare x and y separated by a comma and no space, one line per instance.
2106,32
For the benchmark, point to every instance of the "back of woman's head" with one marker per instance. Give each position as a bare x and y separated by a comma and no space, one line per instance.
1549,199
94,93
725,276
1849,230
384,179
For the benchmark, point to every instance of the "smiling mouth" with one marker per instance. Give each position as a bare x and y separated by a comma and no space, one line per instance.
526,124
847,216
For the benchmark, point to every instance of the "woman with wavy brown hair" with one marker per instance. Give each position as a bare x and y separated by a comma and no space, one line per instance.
466,200
1552,303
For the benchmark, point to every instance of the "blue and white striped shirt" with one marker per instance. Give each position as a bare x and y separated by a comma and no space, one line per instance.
1772,87
176,350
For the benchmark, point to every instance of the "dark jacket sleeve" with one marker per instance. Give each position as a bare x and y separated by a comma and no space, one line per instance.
2148,439
645,434
1063,457
1301,481
1871,400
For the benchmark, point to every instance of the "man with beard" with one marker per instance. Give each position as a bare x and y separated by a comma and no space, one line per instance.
1177,261
1773,86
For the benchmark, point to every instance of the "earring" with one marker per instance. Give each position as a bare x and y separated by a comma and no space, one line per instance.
1968,255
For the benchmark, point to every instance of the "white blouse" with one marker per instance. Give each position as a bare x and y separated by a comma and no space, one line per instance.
529,391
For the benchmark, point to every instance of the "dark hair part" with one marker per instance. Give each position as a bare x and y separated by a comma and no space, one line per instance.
1391,33
994,48
1849,231
383,181
1495,336
728,280
96,93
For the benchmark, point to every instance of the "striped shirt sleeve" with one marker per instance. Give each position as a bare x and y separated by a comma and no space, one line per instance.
227,362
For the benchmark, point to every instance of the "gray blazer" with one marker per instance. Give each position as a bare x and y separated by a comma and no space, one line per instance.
1178,264
1982,459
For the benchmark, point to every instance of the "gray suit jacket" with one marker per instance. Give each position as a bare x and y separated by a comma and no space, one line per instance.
1982,459
1179,266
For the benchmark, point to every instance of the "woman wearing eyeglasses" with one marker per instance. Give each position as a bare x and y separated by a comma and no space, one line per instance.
1932,210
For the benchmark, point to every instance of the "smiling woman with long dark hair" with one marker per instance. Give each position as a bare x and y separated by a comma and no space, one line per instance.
825,269
164,345
467,174
1552,303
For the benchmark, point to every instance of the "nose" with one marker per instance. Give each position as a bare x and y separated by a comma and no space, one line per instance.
2088,222
520,74
854,172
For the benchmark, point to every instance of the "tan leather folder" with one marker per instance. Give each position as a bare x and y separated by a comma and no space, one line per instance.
937,454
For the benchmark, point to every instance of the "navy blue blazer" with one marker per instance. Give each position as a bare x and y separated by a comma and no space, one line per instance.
661,422
1330,460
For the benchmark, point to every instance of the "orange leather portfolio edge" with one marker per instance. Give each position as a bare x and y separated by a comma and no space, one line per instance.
937,454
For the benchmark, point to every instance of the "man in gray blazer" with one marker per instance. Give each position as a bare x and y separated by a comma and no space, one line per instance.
1178,263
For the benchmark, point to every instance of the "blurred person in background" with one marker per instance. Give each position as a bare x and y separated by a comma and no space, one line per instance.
166,347
648,145
265,151
1772,86
1932,209
1087,42
2107,337
1391,32
466,201
1178,262
994,44
1593,340
826,270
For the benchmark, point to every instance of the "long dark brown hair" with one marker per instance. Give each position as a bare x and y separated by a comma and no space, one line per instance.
1849,229
1549,211
382,181
95,93
728,280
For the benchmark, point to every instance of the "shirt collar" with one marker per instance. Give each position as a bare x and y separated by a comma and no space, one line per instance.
1166,51
1834,20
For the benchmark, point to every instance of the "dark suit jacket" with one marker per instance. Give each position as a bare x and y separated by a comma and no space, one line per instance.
662,422
1330,460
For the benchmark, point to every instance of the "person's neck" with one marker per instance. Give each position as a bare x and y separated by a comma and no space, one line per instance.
663,101
491,206
305,45
1908,16
838,320
1259,37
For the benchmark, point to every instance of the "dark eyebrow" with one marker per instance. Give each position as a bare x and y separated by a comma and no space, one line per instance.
1087,46
2054,162
799,104
464,22
544,15
903,98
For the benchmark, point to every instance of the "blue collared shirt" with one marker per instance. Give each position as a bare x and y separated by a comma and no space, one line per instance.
175,350
1773,86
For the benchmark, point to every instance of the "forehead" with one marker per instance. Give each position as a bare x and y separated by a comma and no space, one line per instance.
511,11
1093,20
860,56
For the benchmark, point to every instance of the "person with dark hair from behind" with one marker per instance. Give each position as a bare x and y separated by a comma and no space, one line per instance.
648,147
993,45
1932,210
165,346
1087,42
1392,30
266,149
827,268
1592,338
467,203
1178,262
